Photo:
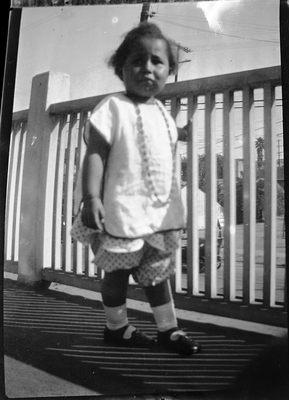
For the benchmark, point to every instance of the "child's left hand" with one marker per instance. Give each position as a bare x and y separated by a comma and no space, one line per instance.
185,131
92,214
188,127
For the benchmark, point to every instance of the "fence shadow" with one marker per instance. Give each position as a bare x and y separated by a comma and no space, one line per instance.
59,335
62,335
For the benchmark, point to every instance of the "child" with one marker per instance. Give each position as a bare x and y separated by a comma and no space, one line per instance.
130,192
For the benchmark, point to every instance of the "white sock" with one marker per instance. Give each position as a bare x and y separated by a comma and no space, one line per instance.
127,334
165,316
116,317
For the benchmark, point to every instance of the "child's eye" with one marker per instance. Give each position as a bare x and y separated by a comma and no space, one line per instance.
156,60
137,62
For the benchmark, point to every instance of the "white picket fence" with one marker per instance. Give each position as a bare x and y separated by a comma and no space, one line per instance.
47,146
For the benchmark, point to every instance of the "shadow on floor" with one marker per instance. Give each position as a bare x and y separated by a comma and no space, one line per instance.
61,335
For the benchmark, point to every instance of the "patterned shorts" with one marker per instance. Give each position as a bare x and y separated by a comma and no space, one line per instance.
149,265
151,259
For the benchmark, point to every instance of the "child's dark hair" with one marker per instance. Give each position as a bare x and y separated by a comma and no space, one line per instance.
144,29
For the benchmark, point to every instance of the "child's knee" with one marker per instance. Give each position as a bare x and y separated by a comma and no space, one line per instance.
114,288
159,294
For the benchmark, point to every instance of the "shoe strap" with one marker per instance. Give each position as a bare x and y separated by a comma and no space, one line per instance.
128,332
176,334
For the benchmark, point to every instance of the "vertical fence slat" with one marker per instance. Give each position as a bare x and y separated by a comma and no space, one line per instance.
177,282
270,195
51,173
192,201
211,198
57,242
14,128
178,275
229,199
249,197
11,191
175,107
87,261
78,251
19,173
69,178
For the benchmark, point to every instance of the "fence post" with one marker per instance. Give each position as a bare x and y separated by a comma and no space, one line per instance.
38,175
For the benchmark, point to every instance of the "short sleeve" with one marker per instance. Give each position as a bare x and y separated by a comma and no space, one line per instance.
104,119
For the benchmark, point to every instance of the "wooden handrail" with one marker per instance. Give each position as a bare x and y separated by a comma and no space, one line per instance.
220,83
20,115
196,86
78,105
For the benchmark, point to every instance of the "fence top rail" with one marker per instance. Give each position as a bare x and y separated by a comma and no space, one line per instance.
78,105
220,83
214,84
19,116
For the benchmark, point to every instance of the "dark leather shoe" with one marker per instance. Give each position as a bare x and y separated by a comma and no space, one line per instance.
177,341
136,339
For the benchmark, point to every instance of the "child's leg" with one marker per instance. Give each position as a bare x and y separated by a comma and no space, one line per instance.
161,302
169,335
118,330
113,290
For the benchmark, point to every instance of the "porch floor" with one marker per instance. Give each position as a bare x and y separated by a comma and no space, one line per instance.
53,347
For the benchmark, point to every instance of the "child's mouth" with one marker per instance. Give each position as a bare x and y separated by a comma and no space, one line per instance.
148,83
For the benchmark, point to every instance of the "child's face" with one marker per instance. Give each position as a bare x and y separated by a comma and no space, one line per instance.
146,69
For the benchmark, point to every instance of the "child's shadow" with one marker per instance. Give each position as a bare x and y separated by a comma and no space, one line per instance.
61,335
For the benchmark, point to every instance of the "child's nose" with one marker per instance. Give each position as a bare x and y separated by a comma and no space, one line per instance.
148,65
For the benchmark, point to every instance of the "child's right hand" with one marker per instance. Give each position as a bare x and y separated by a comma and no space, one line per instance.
92,213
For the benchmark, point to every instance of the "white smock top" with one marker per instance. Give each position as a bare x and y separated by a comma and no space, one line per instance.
133,213
131,209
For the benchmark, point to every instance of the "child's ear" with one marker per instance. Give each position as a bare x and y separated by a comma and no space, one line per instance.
120,74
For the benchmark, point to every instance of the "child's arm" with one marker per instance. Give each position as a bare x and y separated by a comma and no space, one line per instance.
93,166
184,132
